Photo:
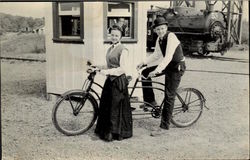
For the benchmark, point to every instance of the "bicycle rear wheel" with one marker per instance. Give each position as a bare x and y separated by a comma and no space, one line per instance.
74,113
188,107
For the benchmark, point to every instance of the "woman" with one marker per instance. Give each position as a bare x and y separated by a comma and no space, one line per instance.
115,117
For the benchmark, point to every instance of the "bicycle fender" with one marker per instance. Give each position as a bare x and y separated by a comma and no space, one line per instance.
203,98
72,91
201,95
83,92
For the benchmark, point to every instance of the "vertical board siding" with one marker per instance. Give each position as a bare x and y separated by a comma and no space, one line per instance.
66,63
78,68
59,66
68,68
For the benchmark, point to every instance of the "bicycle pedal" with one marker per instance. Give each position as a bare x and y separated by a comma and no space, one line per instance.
145,109
143,106
134,98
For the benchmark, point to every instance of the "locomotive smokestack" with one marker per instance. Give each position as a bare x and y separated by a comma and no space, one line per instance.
211,7
151,7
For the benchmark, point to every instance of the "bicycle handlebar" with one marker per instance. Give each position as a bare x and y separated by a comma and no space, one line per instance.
139,71
93,69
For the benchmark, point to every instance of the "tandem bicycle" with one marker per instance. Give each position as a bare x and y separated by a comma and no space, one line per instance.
76,111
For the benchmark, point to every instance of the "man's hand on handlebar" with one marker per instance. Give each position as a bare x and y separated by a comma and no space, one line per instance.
153,74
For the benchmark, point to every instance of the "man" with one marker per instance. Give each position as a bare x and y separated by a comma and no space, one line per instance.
171,62
121,22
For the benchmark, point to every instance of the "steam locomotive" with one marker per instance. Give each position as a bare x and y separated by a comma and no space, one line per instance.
200,31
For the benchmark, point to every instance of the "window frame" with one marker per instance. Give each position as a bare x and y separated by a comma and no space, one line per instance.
134,21
56,29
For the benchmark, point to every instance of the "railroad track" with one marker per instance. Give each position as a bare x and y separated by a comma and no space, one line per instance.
23,59
218,72
189,70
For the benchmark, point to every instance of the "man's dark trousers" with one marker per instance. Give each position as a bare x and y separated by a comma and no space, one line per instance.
172,81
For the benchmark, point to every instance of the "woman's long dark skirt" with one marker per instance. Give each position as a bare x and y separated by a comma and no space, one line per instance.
115,115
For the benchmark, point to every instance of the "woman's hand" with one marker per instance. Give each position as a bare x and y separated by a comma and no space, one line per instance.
139,66
104,72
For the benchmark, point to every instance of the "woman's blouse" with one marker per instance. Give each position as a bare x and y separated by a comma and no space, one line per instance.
117,59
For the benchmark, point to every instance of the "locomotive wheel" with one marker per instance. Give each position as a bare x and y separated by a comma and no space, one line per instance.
203,52
200,51
217,30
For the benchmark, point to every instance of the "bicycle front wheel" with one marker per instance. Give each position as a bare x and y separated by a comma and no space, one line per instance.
188,107
74,113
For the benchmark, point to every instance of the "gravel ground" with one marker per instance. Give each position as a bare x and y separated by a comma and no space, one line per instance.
221,133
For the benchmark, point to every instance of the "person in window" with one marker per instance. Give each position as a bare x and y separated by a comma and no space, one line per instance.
121,22
169,56
115,117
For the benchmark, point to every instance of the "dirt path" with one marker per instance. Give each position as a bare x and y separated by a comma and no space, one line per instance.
221,133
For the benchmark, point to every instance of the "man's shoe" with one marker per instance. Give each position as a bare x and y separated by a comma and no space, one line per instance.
143,106
154,103
132,108
157,132
146,106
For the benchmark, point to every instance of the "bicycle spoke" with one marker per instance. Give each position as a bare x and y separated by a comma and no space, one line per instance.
189,97
177,108
71,104
177,113
177,105
197,110
88,112
79,108
190,106
193,101
185,97
78,104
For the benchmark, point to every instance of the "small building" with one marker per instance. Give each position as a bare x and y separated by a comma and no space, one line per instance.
39,30
26,29
78,31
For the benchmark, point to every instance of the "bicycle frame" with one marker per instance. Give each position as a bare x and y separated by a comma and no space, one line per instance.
157,88
90,81
87,92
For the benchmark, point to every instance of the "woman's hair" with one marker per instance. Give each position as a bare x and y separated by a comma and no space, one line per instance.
116,27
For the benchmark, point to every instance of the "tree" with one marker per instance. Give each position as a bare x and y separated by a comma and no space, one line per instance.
11,23
31,22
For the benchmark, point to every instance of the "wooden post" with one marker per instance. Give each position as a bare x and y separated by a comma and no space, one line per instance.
239,31
229,19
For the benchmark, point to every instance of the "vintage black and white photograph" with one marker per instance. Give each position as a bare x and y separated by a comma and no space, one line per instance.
121,80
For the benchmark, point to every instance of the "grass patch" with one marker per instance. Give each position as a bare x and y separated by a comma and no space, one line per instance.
18,43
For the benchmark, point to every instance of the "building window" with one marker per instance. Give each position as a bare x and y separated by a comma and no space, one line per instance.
68,22
123,14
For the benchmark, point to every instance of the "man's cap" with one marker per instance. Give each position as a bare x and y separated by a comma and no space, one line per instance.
159,21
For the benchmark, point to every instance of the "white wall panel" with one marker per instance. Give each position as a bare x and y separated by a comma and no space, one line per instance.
66,67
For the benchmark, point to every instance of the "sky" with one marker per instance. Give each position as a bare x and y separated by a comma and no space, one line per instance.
26,9
35,9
